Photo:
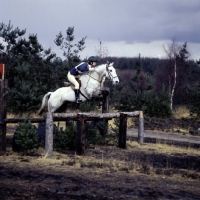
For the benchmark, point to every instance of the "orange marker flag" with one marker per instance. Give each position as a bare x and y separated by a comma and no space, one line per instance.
2,70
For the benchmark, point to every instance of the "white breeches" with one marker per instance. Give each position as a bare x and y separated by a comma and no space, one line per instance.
73,80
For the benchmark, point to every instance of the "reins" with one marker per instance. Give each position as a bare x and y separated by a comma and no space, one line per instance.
89,74
109,74
93,77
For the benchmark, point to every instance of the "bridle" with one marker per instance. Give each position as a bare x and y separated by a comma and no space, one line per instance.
111,77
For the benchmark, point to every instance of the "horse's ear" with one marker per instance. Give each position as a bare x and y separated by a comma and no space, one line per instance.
108,62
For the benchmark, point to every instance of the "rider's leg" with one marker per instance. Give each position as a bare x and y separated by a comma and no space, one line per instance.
72,79
77,94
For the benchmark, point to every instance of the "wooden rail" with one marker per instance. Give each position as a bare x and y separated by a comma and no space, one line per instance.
81,118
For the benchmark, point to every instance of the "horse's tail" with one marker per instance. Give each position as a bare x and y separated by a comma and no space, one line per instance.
44,102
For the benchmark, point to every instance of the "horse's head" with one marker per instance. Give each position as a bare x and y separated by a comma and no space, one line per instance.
111,73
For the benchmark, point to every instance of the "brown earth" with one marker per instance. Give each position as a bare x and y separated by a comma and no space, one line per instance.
149,171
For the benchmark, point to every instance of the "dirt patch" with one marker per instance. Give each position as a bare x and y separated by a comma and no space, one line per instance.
104,172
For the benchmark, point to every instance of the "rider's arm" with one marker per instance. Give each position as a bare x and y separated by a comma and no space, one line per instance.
91,68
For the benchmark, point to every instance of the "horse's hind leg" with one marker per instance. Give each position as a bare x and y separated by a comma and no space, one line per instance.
52,108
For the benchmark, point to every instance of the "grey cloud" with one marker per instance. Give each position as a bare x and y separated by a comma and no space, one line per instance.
109,20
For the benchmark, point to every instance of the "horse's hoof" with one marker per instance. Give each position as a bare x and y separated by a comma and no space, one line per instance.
79,101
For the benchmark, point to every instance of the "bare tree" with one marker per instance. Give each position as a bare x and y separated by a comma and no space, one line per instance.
100,50
172,52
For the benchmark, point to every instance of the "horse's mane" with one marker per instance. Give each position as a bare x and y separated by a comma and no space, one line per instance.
98,66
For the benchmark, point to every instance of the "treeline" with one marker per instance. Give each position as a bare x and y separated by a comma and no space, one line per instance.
153,85
159,85
149,65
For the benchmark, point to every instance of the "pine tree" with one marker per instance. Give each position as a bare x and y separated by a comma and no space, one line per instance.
137,94
70,51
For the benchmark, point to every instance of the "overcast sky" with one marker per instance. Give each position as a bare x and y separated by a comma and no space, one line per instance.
126,27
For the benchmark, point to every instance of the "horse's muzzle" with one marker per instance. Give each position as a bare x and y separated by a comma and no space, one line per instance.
115,82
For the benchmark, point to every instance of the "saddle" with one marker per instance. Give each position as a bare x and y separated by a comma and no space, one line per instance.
103,95
68,84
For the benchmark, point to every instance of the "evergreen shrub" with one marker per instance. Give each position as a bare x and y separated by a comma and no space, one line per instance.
97,133
25,138
65,138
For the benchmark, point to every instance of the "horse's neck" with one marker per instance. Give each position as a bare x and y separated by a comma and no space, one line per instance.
91,82
99,72
93,79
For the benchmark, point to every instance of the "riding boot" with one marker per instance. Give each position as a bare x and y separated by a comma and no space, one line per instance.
77,92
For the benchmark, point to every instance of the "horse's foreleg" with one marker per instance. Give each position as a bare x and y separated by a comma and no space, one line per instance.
102,82
101,97
104,93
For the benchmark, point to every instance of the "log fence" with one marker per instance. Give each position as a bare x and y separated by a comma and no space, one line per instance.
81,119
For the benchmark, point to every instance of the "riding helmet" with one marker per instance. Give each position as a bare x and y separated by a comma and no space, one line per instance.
93,59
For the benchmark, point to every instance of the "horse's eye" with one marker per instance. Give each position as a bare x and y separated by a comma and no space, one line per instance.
111,70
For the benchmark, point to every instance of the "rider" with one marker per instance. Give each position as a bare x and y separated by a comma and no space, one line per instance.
78,70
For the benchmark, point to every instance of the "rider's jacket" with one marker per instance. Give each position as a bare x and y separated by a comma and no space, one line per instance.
81,68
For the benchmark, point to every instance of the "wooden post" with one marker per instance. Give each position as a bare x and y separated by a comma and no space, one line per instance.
49,136
3,104
80,136
122,131
141,128
2,70
105,105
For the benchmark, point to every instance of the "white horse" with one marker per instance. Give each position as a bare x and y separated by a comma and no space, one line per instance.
91,86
